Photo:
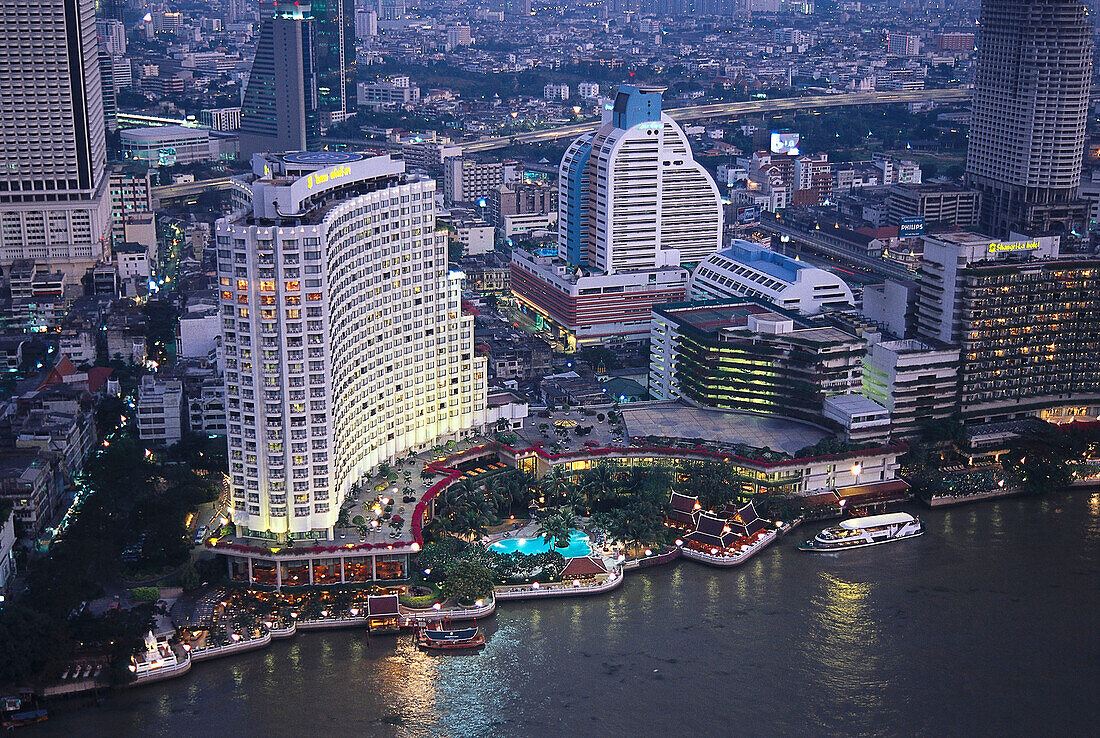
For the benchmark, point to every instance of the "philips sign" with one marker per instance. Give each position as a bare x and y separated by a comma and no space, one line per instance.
911,227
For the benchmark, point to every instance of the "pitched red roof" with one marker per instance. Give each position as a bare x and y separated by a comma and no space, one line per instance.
583,566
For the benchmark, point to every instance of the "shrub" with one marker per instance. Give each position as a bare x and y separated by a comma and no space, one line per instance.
145,594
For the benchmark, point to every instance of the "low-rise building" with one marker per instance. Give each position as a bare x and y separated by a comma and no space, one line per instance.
160,410
916,381
397,91
747,269
31,482
166,145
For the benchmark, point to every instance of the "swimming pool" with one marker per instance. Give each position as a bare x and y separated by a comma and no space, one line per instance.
578,546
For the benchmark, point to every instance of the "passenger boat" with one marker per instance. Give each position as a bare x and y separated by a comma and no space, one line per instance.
26,717
451,640
868,531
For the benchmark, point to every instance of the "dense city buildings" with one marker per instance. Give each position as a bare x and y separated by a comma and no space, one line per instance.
1027,129
344,339
54,206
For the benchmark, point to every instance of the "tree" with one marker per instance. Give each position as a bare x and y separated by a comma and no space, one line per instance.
466,582
557,529
30,642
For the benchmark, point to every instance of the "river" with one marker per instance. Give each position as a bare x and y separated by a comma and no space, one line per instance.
986,625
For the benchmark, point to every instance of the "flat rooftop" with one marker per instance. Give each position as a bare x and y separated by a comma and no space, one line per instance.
682,421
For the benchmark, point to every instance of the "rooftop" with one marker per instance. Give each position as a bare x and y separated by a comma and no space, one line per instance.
760,431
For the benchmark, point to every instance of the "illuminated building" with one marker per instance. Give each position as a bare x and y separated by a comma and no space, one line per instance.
54,206
1031,104
749,355
1024,318
343,335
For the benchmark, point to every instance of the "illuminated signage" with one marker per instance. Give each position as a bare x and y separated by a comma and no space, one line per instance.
322,177
785,143
996,247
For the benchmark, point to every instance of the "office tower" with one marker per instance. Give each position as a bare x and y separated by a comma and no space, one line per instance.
366,24
112,36
1027,130
280,108
344,339
334,57
54,207
902,44
646,201
1024,318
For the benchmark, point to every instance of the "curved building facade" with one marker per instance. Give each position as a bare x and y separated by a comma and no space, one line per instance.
343,336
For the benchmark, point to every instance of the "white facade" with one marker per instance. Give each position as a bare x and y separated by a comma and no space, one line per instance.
551,91
342,332
746,269
588,90
916,382
160,413
476,236
655,206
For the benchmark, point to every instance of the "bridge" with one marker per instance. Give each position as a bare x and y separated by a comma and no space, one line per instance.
733,110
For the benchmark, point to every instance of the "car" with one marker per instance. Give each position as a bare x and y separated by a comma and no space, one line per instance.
200,534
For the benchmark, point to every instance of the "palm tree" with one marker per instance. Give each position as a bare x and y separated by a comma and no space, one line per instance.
558,528
600,485
554,485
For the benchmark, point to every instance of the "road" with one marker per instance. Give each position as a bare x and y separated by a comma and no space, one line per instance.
734,109
692,112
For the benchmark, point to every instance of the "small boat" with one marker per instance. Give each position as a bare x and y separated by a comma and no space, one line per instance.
26,717
868,531
450,640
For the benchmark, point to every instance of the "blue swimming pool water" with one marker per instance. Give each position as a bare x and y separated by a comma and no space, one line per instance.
578,546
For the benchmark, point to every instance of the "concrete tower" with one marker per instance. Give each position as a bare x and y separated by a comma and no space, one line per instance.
53,204
1027,131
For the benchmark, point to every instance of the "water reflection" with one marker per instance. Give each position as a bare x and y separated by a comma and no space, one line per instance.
937,636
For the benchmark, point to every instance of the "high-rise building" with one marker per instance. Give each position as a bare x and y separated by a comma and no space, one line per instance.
54,207
1027,129
344,339
112,36
634,209
334,57
642,197
280,111
1024,318
107,84
366,24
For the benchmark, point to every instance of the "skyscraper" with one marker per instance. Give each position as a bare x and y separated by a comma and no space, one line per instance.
280,108
634,210
1027,130
334,57
54,207
646,201
344,339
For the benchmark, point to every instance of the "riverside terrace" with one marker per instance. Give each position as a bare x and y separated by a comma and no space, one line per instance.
351,558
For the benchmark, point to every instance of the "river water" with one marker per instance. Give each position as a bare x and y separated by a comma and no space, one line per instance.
986,625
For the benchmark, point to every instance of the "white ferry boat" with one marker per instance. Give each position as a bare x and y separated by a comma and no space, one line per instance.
868,531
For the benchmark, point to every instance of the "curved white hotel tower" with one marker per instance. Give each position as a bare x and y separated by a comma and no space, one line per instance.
343,334
631,194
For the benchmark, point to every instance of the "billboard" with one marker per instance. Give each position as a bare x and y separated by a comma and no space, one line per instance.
786,144
748,215
911,227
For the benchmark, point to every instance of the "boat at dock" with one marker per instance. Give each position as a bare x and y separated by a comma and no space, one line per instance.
451,640
868,531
